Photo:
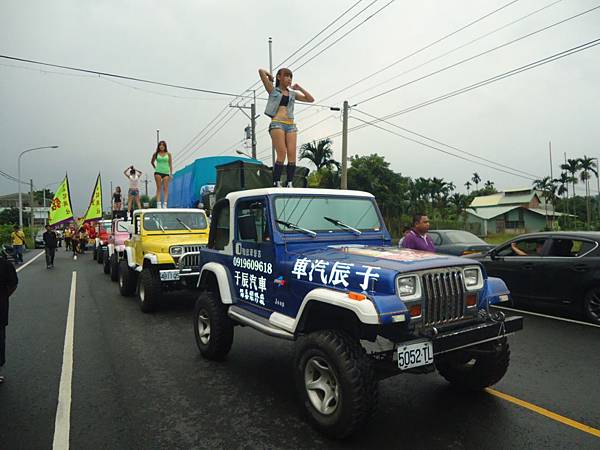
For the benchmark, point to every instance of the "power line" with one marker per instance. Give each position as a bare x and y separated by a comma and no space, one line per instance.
122,77
470,58
416,52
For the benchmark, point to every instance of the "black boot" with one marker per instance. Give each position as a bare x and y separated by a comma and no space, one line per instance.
290,171
277,169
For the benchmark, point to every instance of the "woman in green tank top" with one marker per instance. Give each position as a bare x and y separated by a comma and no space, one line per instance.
163,171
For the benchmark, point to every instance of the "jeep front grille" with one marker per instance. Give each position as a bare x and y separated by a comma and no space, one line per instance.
191,256
444,295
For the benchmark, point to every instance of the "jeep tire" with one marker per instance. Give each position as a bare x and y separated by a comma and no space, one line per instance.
114,267
213,329
95,253
149,290
475,371
336,382
106,266
127,279
100,255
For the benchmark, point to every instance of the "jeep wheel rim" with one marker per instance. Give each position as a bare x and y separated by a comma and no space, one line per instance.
203,327
321,385
593,305
142,293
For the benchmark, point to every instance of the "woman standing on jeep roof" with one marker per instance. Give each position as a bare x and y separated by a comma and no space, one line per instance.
163,171
133,175
280,108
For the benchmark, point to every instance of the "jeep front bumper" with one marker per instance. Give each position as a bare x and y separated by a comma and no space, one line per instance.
444,342
187,265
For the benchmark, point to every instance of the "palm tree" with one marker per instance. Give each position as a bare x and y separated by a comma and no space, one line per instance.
563,188
319,153
587,165
572,167
489,184
468,186
548,188
476,179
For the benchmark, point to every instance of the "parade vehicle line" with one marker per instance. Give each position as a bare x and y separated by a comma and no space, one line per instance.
545,412
30,261
563,319
62,424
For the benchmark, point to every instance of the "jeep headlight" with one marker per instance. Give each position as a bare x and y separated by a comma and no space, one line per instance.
176,250
473,278
408,287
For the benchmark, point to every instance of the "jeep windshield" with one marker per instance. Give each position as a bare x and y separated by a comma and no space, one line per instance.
174,221
315,213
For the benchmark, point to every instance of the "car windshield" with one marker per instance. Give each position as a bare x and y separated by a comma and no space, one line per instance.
463,237
314,213
122,227
169,221
106,225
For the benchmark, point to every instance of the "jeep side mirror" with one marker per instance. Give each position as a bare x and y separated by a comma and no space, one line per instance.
247,227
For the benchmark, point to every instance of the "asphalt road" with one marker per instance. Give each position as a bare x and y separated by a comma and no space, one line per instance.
139,383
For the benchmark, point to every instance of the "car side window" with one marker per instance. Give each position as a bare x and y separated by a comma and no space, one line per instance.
570,248
435,237
523,247
251,221
219,231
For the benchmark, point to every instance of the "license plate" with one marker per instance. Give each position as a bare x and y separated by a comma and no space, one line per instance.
169,275
415,355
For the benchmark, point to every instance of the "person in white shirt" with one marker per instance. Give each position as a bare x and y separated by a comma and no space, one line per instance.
133,175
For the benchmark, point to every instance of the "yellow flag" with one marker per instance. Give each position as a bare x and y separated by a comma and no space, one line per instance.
94,211
60,208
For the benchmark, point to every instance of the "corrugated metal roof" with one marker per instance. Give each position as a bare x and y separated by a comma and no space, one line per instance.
514,199
489,212
486,200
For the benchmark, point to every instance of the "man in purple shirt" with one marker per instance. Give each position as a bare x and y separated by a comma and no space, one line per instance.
417,238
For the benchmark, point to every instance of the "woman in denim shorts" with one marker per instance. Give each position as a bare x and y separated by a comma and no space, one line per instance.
280,108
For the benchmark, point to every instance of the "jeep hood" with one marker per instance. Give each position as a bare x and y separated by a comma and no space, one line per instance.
161,243
390,258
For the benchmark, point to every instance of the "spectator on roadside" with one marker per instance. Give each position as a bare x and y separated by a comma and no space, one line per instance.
417,238
68,233
50,242
8,284
17,238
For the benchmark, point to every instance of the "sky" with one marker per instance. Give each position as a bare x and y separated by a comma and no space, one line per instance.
104,125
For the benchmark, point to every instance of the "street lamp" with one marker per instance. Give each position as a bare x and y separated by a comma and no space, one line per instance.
19,177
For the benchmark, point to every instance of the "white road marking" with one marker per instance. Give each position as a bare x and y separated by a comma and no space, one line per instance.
30,261
546,316
62,424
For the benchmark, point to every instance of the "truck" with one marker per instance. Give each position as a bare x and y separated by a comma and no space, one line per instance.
317,267
161,254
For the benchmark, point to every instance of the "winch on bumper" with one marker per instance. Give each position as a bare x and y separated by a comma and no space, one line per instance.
187,265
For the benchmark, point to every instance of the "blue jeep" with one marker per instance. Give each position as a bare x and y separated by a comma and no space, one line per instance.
316,266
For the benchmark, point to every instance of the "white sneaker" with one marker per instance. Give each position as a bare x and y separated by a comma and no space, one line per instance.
277,184
290,184
165,205
74,257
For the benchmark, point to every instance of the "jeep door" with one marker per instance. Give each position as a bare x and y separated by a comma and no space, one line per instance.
253,256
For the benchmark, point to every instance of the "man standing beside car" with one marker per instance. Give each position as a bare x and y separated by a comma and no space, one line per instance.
417,238
50,242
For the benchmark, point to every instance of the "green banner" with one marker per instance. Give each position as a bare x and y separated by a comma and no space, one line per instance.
60,208
94,211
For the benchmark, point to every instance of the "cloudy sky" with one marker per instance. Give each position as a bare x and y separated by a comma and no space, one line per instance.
103,124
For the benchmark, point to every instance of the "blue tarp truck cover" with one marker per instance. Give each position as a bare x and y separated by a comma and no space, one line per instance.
184,191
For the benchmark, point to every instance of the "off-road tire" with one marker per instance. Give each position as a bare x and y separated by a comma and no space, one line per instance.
95,253
106,266
478,372
355,379
100,255
127,279
114,267
217,343
591,305
149,290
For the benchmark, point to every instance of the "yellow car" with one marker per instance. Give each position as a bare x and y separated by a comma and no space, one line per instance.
163,253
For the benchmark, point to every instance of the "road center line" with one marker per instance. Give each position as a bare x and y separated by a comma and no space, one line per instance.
62,424
578,322
30,261
544,412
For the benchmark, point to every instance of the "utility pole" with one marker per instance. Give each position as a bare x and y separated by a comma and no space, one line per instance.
345,146
157,137
146,183
252,118
31,208
271,72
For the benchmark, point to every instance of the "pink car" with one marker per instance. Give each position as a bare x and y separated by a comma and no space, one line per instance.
120,232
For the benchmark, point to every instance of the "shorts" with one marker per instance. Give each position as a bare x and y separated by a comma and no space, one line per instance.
134,192
286,127
162,175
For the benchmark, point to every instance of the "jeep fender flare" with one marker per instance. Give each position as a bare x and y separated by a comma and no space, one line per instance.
111,249
129,255
151,257
364,310
222,276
